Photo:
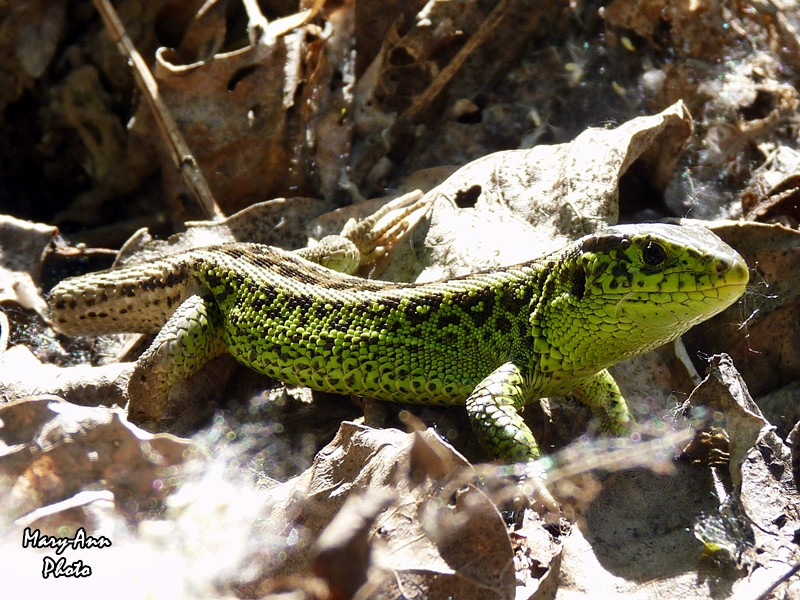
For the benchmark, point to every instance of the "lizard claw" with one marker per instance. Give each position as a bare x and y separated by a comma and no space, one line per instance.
375,235
363,242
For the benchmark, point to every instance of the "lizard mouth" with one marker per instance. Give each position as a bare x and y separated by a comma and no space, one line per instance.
663,311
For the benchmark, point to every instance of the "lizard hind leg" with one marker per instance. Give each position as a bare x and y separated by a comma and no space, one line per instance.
601,393
493,409
191,337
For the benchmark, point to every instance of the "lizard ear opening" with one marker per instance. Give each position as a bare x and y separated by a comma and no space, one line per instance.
579,282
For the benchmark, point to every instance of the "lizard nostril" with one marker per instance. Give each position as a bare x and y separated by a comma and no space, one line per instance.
722,266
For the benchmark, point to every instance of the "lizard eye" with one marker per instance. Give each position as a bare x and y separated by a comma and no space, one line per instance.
654,254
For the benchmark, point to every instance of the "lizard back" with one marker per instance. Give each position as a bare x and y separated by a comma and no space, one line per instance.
298,322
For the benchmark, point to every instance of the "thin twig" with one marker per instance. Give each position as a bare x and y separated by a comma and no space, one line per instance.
783,579
256,21
179,150
410,115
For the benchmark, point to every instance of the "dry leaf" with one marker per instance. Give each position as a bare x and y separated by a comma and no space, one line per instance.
280,222
760,331
515,205
21,246
772,193
22,375
724,398
39,29
342,551
52,450
424,540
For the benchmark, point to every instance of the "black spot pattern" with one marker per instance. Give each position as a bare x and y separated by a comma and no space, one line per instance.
579,282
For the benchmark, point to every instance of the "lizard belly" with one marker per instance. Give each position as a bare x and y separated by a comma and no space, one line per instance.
365,362
362,349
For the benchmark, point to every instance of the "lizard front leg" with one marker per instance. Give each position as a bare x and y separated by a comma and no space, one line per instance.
493,408
191,337
601,393
366,240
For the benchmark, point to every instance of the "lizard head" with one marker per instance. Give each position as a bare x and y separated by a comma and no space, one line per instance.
635,287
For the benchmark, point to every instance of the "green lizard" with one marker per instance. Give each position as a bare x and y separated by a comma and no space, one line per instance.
494,340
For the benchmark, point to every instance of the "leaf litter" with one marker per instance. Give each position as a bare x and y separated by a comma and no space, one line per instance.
271,123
